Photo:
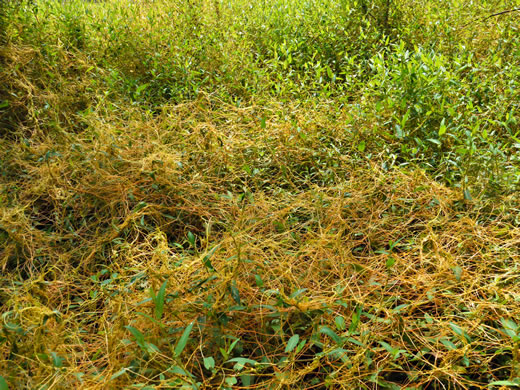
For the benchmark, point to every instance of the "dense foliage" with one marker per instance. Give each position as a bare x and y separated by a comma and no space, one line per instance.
259,194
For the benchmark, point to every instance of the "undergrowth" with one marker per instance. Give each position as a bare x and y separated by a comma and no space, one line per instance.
283,194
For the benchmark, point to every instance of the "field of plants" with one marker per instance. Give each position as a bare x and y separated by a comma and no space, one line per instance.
259,194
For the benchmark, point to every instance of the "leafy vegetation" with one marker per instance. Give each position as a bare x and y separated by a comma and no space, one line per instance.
269,194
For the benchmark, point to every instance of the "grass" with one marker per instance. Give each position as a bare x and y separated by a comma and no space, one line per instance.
270,195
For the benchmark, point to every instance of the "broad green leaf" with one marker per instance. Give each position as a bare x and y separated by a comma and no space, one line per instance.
340,323
510,327
390,262
247,380
209,363
57,361
457,271
259,281
183,340
3,383
292,343
191,239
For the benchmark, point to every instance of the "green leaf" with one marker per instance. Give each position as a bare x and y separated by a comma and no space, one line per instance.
457,271
209,363
329,332
191,239
241,363
180,371
159,300
139,337
234,292
467,195
448,344
505,383
292,343
262,123
510,327
442,128
247,380
339,353
4,104
340,323
118,374
3,383
56,360
183,340
297,293
355,320
259,281
361,146
460,332
140,89
206,260
390,262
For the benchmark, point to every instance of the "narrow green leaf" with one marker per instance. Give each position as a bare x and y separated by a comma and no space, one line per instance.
355,320
297,293
339,353
442,128
448,344
329,332
183,340
159,301
234,292
180,371
139,337
505,383
206,260
292,343
118,374
241,363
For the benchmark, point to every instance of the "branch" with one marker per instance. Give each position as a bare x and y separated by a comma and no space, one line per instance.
492,15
